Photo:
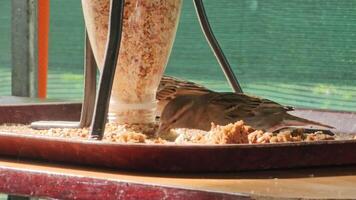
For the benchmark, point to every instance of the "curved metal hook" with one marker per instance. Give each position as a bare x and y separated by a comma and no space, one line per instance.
219,54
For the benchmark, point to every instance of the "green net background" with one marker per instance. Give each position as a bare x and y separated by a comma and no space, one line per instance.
296,52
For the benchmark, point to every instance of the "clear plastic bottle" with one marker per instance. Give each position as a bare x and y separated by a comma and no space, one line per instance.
148,34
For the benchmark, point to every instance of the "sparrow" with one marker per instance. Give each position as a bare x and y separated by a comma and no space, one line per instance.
170,87
199,111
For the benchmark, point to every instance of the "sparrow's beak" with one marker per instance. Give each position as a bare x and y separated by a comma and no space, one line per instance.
163,128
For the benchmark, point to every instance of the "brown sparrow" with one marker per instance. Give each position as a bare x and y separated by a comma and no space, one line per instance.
171,87
199,111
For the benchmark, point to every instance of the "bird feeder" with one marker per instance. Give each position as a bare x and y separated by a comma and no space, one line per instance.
131,41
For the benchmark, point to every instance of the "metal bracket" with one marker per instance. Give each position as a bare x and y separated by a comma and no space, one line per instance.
219,54
97,114
89,95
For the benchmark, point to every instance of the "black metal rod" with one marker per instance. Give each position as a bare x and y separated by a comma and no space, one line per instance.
108,71
219,54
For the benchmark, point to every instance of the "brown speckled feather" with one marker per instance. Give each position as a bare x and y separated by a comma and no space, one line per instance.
258,112
171,87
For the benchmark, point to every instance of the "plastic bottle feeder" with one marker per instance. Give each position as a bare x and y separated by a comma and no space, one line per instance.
148,33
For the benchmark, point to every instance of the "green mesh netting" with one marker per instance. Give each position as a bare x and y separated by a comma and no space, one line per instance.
5,48
297,52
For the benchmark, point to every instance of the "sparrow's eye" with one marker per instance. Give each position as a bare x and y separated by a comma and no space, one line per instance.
174,121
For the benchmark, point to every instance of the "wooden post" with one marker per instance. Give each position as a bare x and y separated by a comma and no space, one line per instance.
24,47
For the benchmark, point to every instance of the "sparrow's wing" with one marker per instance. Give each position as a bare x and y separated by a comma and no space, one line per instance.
170,87
261,113
241,106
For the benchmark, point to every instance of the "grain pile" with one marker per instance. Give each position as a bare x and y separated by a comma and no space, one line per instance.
239,133
234,133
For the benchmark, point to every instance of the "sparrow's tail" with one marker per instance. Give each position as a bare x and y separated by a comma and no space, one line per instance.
291,120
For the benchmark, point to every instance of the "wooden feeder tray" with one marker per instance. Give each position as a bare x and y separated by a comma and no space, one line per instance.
172,158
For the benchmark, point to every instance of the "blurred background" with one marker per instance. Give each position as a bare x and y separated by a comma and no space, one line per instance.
296,52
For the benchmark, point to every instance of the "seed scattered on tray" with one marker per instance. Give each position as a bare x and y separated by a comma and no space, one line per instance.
113,132
260,137
239,133
234,133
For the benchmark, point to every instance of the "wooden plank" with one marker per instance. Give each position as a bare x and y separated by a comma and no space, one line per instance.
49,180
24,47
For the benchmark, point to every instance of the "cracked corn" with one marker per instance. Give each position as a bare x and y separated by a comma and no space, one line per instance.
233,133
236,133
